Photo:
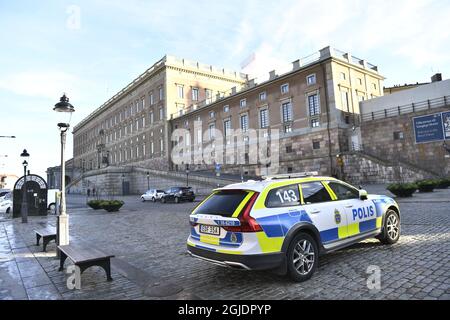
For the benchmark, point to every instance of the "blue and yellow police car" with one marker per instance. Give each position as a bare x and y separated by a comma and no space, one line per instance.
285,222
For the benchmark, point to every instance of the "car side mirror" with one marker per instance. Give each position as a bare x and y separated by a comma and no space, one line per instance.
362,194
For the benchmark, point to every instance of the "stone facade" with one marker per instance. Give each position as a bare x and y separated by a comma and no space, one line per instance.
393,139
132,127
323,99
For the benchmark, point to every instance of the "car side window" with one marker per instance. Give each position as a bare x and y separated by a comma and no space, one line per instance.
314,192
283,197
343,192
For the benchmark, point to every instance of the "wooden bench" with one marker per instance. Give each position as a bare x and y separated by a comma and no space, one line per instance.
47,234
85,256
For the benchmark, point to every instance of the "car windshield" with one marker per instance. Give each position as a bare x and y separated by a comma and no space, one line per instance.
160,191
222,203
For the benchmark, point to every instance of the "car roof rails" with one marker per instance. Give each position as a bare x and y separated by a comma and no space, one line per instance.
291,175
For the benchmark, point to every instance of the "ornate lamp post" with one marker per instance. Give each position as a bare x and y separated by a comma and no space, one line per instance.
24,207
187,175
62,230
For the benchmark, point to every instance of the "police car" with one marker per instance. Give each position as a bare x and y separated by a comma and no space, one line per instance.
285,222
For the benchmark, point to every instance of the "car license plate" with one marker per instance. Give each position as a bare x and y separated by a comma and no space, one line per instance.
214,230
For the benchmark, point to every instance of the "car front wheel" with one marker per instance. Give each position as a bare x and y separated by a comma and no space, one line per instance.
391,228
143,199
153,199
163,200
302,257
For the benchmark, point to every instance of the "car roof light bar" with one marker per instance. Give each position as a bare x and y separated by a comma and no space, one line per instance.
291,175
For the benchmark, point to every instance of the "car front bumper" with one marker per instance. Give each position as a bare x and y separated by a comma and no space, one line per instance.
238,261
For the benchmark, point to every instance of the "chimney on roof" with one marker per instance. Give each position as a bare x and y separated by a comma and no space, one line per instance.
437,77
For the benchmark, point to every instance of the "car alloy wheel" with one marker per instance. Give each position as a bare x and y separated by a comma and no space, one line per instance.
393,226
303,257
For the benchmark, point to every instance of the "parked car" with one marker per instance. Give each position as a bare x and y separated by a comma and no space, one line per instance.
6,204
51,198
4,192
152,195
286,223
178,194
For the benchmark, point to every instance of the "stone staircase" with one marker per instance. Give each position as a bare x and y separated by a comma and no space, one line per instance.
361,167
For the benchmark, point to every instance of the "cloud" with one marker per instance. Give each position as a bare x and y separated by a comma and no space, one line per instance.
415,32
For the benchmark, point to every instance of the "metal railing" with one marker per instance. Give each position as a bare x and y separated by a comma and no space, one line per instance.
407,108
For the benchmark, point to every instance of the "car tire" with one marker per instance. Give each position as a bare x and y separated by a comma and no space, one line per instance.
51,207
153,199
163,200
8,213
177,200
143,199
391,228
302,257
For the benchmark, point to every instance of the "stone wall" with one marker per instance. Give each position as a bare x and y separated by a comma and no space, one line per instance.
108,181
378,140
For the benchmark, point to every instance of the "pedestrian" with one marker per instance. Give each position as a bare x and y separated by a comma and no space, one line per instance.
89,192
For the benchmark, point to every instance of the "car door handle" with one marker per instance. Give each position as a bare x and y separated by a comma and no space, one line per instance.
315,211
349,206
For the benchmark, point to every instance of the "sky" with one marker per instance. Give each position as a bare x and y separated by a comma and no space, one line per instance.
92,49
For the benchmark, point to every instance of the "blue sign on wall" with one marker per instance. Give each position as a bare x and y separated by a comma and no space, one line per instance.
428,128
446,124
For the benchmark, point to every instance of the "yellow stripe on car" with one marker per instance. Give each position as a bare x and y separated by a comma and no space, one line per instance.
229,251
353,229
210,240
379,222
242,204
269,244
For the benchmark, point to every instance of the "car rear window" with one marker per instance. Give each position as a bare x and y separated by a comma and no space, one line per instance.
222,203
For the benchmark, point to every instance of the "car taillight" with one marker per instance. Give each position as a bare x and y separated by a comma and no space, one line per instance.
248,224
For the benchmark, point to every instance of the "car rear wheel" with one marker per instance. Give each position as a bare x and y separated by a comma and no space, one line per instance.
8,213
51,207
391,228
153,199
177,200
302,257
163,200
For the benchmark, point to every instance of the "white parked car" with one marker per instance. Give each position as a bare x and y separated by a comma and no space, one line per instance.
6,205
152,195
51,196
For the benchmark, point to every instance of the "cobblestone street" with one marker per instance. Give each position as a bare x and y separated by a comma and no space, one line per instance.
149,242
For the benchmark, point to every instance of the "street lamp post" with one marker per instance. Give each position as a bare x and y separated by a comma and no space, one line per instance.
24,208
148,180
62,230
187,175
